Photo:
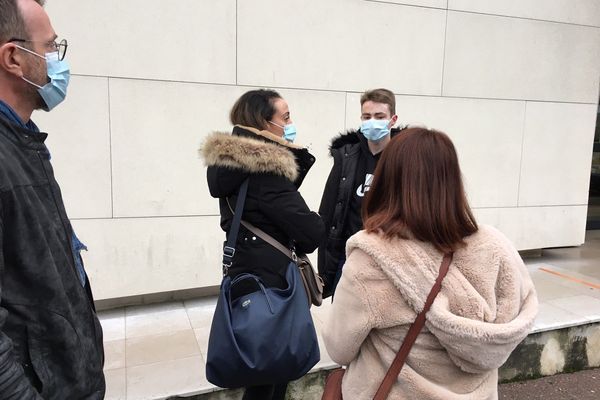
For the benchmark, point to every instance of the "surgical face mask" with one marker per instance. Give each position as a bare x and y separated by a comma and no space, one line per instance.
375,129
289,131
54,92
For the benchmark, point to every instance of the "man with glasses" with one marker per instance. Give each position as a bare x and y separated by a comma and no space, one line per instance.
50,337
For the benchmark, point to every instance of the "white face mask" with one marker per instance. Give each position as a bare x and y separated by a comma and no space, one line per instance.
54,92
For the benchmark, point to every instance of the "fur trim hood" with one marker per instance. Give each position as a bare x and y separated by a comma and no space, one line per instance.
253,155
487,304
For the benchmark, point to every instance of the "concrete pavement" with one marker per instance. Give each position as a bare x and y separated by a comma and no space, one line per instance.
582,385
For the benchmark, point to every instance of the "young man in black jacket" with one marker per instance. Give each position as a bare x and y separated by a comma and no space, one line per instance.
355,155
50,338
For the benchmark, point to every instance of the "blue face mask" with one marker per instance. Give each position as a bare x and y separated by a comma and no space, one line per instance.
289,131
375,129
54,92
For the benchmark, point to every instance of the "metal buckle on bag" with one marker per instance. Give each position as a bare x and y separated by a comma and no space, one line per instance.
228,251
294,256
226,268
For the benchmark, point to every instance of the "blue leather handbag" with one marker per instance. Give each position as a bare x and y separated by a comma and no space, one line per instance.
264,337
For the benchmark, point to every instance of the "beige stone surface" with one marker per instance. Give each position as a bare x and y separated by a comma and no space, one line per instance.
509,58
585,12
330,51
116,384
151,349
180,40
79,143
559,171
553,359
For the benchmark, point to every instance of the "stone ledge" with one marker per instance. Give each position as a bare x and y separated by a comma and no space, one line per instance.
540,354
553,352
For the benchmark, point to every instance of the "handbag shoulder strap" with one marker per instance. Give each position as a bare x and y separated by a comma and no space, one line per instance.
229,248
413,332
267,238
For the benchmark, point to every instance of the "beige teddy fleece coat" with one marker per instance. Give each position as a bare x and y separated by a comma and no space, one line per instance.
486,307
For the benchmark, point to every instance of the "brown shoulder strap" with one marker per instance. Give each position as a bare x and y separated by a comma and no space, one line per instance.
411,336
265,236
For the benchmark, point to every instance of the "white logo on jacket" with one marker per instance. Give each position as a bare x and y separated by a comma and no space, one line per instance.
364,188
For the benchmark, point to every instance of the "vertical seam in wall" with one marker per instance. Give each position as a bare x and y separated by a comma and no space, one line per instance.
522,151
444,51
125,346
345,111
126,340
236,42
110,155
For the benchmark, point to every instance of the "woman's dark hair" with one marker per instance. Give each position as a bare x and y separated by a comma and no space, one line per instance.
254,109
418,189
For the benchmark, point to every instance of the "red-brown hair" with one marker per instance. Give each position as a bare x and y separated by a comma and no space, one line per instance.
418,188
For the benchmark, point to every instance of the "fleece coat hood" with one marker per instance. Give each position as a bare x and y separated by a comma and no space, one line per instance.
486,307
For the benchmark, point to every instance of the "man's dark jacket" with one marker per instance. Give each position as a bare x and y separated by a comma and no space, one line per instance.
273,204
50,338
346,152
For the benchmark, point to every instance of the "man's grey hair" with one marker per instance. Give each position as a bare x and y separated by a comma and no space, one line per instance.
11,20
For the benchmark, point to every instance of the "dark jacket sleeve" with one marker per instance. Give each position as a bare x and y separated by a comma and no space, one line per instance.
281,203
14,385
328,262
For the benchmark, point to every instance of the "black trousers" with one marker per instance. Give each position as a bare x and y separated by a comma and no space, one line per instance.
266,392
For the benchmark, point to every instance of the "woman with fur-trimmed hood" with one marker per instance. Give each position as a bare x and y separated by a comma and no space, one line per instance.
415,212
261,148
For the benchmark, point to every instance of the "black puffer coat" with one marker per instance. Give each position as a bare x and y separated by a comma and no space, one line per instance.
346,152
50,337
276,169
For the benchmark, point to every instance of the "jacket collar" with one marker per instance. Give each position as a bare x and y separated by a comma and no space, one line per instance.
22,136
10,114
238,130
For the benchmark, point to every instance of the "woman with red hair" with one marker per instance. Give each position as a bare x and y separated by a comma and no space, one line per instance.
415,212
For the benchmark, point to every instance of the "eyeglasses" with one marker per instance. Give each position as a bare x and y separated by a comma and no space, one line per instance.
60,47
